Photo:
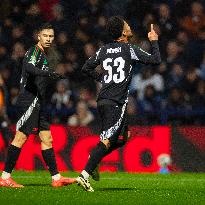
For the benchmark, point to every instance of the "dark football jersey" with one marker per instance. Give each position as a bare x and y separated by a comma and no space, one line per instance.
34,77
116,60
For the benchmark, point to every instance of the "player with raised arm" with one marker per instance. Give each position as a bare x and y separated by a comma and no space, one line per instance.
116,60
32,120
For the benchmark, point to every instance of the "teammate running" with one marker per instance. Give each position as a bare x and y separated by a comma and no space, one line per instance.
116,59
32,120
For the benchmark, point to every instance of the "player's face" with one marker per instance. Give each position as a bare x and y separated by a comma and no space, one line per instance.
127,31
46,37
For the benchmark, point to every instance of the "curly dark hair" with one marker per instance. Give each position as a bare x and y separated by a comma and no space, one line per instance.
115,27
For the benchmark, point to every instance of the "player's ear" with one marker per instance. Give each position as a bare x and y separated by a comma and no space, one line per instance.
39,36
124,31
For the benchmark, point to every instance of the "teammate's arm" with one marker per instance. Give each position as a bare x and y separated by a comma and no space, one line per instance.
30,66
144,57
90,65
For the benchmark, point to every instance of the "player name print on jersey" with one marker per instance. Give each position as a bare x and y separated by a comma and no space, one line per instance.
114,50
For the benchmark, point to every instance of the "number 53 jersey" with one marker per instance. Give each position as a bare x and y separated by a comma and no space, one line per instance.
116,60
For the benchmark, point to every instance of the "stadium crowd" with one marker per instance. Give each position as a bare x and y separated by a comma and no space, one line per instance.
173,92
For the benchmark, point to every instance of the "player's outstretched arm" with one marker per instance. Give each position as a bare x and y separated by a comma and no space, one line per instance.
30,68
148,58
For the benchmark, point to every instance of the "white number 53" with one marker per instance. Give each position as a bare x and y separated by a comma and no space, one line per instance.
117,62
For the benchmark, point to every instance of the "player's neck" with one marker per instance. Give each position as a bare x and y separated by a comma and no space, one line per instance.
122,39
41,47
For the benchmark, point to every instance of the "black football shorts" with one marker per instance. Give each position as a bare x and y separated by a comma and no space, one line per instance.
31,119
114,119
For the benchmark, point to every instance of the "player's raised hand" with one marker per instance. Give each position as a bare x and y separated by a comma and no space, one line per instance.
152,35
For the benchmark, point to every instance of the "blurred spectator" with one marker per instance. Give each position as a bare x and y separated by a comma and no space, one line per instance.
196,20
198,100
4,121
18,51
5,75
147,21
167,23
62,102
89,97
46,8
17,56
202,68
195,49
2,100
176,99
178,108
89,50
100,29
12,109
4,58
71,55
162,69
132,110
59,22
62,42
136,11
176,75
182,37
17,35
83,116
151,101
61,69
145,78
73,62
33,18
173,53
63,95
190,81
93,8
5,8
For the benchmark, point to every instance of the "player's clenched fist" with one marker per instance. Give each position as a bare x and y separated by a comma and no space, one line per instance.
152,35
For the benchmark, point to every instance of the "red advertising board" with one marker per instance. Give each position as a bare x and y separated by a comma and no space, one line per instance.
72,146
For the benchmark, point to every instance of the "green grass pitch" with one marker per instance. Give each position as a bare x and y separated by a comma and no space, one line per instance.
114,188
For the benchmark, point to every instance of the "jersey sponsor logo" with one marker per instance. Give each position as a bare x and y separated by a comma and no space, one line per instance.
26,115
114,50
32,60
